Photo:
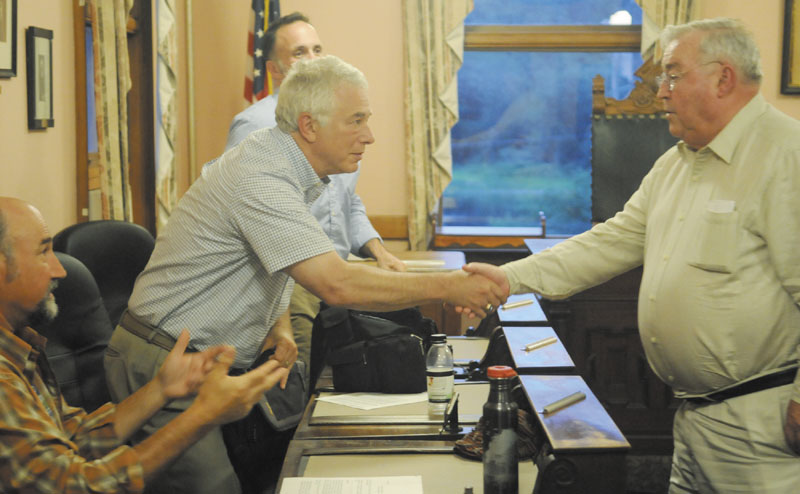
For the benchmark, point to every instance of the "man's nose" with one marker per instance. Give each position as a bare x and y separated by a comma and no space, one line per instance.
56,269
367,137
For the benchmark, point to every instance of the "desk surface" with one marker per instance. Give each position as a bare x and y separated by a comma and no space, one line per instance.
427,260
536,245
584,425
441,470
522,310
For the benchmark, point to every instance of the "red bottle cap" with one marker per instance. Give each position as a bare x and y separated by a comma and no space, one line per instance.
500,371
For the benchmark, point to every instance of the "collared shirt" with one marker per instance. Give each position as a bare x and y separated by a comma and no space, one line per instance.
217,267
718,232
46,445
338,209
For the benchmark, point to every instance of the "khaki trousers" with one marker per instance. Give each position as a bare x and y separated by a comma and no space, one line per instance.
735,446
130,362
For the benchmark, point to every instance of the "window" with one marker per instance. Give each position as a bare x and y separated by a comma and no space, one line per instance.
523,141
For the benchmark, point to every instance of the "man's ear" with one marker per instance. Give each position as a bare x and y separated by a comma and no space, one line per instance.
307,127
728,80
274,70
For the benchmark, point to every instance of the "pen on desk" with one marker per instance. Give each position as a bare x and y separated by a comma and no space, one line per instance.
564,402
539,344
519,303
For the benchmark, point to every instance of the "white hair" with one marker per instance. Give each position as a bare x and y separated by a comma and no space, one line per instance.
724,40
310,87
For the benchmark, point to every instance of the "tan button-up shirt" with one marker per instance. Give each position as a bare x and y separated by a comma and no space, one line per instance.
718,232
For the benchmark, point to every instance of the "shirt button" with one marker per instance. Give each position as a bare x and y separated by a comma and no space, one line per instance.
666,258
671,378
680,218
652,298
333,213
653,339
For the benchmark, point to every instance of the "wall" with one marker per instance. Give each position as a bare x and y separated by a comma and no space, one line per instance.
765,19
39,166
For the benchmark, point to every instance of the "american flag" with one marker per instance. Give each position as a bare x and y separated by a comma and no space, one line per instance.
257,82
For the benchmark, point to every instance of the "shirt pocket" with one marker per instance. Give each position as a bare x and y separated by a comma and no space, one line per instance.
716,242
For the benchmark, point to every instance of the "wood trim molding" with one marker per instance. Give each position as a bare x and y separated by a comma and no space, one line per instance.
552,38
391,227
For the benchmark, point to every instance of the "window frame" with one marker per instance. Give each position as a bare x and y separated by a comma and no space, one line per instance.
546,38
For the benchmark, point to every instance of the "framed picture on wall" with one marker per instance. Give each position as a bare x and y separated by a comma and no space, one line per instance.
8,38
39,63
790,75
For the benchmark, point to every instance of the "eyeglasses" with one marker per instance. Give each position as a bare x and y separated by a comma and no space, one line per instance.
672,79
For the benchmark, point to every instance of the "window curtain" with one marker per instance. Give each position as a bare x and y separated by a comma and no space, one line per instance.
166,111
434,50
112,82
656,15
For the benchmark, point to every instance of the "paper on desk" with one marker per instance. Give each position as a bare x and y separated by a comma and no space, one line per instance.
361,485
370,401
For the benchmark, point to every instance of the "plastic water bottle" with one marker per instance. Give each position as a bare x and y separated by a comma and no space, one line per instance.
439,370
500,469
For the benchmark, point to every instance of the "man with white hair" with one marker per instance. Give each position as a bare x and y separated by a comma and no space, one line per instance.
716,225
225,265
338,208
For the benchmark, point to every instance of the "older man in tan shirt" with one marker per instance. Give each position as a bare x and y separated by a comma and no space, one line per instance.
716,224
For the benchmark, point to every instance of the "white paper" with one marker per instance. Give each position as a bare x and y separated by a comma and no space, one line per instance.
370,401
352,485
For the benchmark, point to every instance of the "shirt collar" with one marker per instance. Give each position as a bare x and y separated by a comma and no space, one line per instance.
21,348
724,144
306,175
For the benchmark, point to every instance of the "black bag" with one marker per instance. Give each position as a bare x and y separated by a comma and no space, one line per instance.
375,354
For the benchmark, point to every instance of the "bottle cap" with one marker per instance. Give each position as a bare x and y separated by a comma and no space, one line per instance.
500,371
438,338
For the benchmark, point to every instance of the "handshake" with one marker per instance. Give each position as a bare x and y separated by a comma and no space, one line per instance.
480,289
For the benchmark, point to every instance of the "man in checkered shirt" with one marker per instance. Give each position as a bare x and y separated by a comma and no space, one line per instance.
47,445
225,265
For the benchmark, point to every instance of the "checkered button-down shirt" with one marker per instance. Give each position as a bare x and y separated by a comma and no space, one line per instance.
46,445
217,268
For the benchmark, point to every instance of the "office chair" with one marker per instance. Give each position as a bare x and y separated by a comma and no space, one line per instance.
78,336
115,252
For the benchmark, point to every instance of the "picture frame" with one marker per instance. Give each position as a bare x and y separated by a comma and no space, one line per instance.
790,73
39,64
8,38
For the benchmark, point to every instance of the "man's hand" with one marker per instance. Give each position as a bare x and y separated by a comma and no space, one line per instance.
281,338
391,263
473,293
375,249
791,430
223,398
491,272
182,373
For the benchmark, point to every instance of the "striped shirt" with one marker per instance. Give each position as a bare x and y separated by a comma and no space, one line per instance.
46,445
217,267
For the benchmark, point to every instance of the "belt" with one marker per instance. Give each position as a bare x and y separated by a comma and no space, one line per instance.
759,384
151,334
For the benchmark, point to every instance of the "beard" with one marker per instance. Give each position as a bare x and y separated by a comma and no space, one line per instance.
46,310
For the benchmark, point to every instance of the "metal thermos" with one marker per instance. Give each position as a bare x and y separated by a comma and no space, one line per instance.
500,469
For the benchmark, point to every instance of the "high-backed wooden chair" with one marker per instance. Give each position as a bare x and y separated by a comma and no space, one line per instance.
627,137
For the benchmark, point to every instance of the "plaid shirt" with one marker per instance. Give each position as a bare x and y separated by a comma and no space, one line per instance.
47,446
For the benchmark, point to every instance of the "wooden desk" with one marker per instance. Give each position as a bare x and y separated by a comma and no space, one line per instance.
599,329
323,420
585,451
530,314
441,470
